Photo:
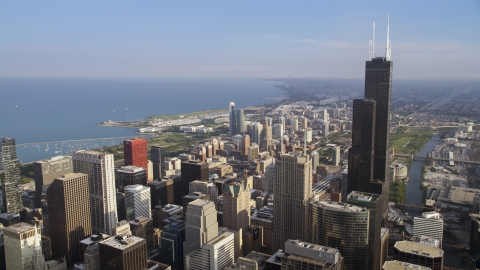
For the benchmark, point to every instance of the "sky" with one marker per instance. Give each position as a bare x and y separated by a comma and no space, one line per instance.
434,39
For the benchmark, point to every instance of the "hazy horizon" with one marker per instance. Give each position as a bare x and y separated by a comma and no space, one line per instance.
430,39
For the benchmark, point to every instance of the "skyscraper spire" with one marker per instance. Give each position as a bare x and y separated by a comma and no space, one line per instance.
38,261
388,50
371,53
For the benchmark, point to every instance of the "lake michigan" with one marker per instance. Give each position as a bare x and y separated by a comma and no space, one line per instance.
58,109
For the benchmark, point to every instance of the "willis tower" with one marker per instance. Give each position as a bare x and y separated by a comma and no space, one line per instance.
369,157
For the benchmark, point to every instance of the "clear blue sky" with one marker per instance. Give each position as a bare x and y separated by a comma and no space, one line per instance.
430,39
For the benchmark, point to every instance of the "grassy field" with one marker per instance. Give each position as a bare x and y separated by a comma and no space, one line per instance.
398,192
186,115
409,141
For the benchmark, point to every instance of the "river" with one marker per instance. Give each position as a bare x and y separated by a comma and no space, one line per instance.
414,192
414,195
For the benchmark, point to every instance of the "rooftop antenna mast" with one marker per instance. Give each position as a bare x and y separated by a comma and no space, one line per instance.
371,54
388,50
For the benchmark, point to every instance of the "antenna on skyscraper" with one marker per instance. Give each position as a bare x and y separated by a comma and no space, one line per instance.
372,44
388,50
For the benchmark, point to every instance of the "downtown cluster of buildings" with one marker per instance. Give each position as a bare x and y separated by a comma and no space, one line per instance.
253,201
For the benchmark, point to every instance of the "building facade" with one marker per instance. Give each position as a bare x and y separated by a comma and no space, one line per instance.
137,202
130,175
20,240
46,170
292,188
232,119
430,225
201,224
135,152
101,180
157,158
216,254
12,186
123,252
343,226
69,205
236,206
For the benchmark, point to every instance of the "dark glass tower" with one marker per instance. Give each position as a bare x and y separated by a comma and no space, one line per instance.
12,186
368,159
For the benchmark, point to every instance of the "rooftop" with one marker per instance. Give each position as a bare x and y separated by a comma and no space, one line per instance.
53,159
19,228
362,197
69,176
199,202
122,241
339,206
130,169
398,265
419,249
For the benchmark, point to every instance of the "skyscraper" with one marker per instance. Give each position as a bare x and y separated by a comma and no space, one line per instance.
123,251
101,180
294,124
343,226
240,122
336,155
236,206
20,242
201,224
233,119
257,133
171,245
292,188
137,202
136,153
370,131
46,171
157,157
12,189
68,202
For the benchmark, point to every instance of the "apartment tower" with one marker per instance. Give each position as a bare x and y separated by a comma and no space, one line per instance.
137,202
12,186
101,180
136,153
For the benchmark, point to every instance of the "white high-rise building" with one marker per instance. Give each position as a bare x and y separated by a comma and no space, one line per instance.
137,202
215,255
101,180
233,119
201,224
257,133
325,129
324,115
336,155
294,124
281,120
430,225
278,131
315,161
19,242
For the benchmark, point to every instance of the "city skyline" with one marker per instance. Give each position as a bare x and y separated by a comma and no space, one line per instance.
252,40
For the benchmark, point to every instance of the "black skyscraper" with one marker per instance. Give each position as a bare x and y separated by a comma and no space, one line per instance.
157,158
368,159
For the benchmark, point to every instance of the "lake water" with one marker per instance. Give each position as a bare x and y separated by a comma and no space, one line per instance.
45,110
